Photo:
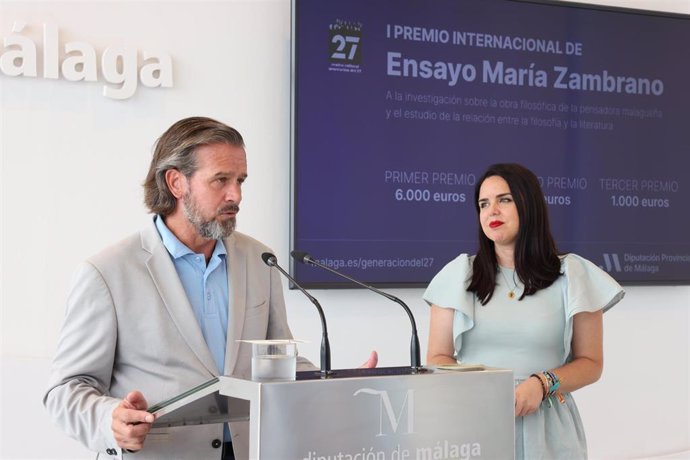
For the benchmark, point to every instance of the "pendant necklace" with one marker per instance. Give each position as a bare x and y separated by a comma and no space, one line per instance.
511,292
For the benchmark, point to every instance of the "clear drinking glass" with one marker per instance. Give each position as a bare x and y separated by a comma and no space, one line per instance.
274,360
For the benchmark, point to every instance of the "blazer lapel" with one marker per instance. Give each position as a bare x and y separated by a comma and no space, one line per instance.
237,282
174,297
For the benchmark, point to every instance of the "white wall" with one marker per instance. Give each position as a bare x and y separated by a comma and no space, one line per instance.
72,165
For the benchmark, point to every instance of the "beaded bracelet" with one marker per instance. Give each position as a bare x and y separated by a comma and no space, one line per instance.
553,383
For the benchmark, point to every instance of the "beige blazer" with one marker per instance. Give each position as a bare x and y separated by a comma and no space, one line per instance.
129,326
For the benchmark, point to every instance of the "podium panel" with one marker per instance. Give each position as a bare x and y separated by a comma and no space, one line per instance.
433,415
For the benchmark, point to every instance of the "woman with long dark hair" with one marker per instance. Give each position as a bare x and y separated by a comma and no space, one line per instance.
518,304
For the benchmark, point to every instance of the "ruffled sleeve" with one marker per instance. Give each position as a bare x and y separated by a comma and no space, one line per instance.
448,289
588,289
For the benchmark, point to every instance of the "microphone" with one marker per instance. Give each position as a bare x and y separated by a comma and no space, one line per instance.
305,258
270,260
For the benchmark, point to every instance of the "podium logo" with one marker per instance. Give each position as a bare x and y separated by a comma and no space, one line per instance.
387,414
344,48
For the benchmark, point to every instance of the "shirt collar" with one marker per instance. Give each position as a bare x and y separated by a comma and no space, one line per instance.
177,248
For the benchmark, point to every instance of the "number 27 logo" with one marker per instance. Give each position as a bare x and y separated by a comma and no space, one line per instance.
345,48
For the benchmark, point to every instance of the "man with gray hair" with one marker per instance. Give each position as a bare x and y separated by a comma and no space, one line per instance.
162,311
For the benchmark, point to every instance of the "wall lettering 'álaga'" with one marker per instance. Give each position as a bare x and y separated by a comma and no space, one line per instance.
78,61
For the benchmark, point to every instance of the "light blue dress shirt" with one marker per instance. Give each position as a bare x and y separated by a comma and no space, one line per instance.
207,289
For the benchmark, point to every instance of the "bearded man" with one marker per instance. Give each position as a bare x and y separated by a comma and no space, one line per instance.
162,311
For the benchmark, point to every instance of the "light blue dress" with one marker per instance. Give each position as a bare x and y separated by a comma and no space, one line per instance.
527,336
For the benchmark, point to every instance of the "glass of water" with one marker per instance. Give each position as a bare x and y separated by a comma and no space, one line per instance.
274,360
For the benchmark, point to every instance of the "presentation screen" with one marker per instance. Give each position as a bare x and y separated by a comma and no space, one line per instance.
399,107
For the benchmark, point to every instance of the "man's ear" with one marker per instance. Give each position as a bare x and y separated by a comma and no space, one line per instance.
177,182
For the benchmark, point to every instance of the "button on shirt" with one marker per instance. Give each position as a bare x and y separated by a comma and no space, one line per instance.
207,289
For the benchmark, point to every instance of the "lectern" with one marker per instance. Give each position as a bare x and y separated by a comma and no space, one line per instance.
437,414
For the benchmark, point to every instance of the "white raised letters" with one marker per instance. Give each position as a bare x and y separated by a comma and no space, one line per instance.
119,65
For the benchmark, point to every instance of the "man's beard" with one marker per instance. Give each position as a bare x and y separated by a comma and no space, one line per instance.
210,229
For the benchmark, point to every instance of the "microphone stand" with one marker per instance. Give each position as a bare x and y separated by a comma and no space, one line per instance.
270,260
415,361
